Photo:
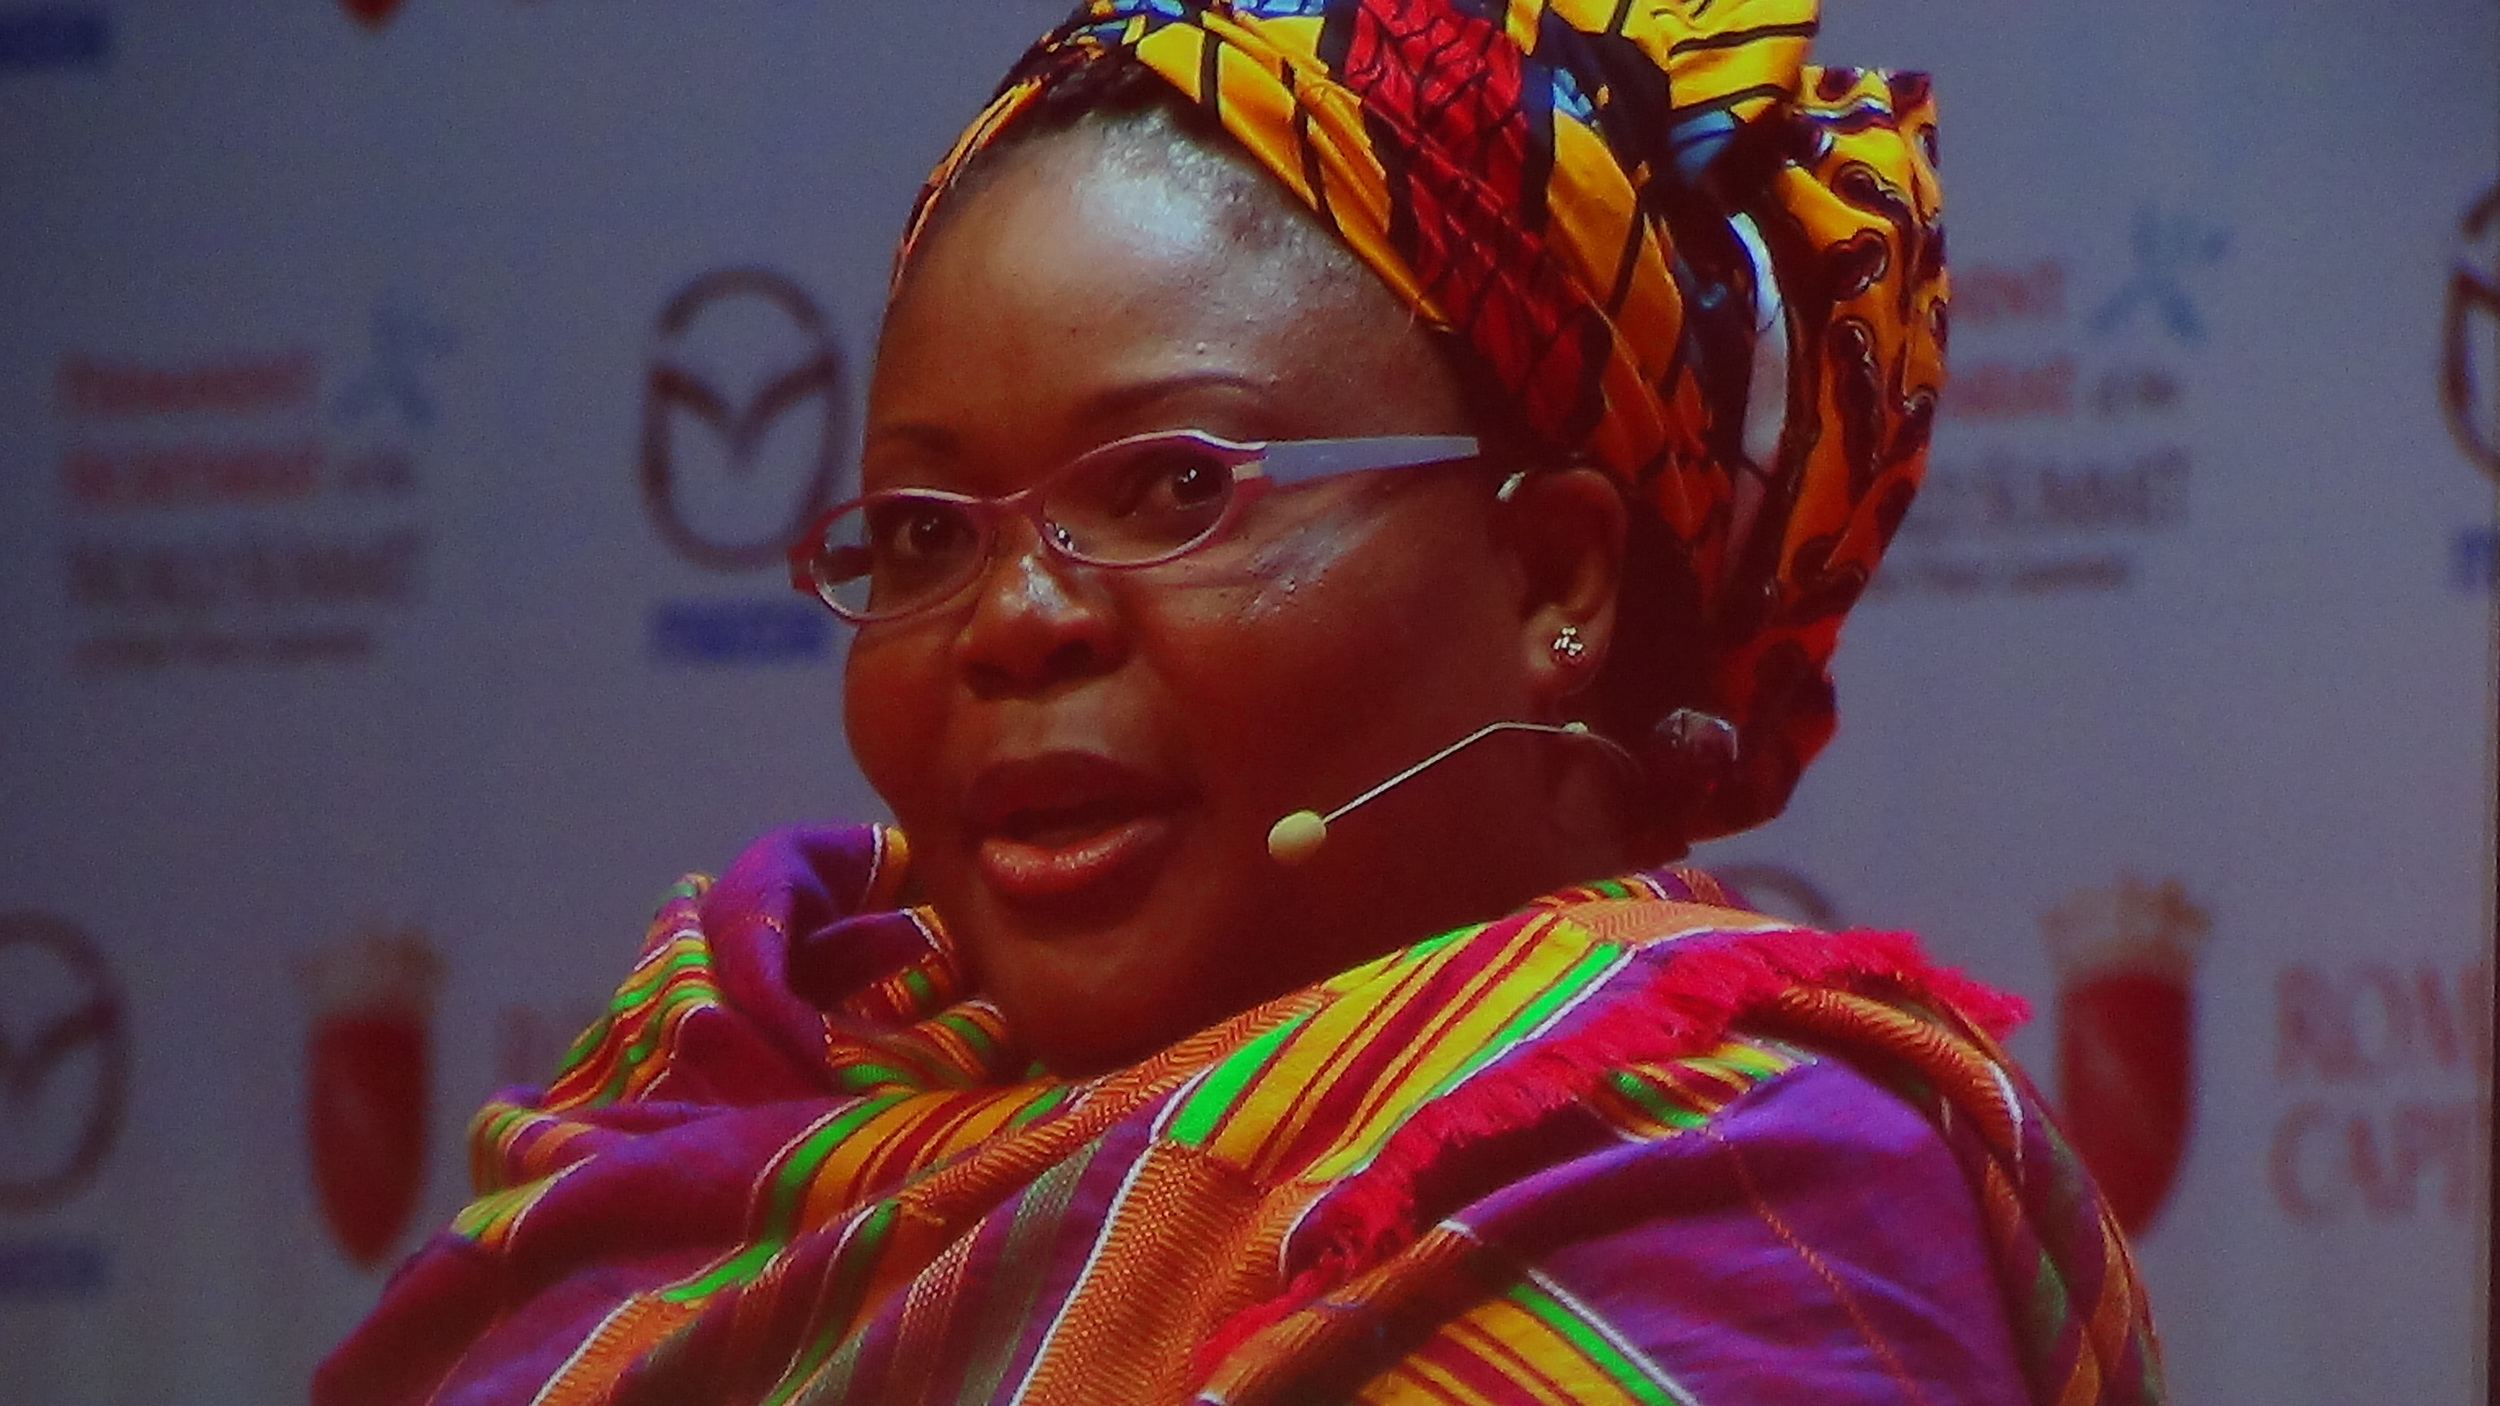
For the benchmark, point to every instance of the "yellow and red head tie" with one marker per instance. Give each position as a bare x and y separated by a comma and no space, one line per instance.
1682,253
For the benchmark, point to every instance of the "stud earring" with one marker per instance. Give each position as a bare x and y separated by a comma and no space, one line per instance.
1568,646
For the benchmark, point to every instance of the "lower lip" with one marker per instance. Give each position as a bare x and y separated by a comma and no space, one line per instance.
1020,869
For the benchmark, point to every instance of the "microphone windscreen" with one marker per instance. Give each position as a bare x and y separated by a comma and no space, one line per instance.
1296,837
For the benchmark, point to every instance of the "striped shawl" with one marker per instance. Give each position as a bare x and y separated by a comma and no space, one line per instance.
1626,1145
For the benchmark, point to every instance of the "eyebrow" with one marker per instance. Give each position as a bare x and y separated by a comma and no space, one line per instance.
1118,400
1108,403
936,439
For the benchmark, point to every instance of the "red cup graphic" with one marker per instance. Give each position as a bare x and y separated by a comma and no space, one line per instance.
2126,1020
371,13
368,1091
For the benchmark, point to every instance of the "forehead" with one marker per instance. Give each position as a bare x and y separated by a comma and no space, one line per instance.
1085,289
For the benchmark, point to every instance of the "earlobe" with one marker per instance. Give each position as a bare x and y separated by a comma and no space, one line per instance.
1569,526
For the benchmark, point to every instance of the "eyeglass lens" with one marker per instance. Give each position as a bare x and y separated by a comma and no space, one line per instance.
1126,504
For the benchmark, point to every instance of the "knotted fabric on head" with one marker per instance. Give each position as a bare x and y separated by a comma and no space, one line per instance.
1683,254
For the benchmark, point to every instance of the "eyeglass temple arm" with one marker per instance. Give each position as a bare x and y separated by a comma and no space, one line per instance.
1292,461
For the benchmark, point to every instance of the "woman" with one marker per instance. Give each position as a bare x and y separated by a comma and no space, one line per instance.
1273,397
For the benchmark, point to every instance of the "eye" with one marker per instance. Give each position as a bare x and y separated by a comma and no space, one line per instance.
1161,479
916,532
1141,500
1191,480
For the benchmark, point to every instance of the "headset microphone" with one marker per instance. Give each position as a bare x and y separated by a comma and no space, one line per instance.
1293,839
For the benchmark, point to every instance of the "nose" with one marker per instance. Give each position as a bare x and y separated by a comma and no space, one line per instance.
1038,621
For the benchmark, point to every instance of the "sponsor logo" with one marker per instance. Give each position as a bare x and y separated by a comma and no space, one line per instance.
2386,1060
401,340
740,630
53,1267
744,412
369,1084
2166,248
64,1061
220,512
2469,363
2060,459
54,36
2469,379
372,14
2474,559
743,415
2126,1019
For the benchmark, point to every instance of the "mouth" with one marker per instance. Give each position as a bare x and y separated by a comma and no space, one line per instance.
1067,824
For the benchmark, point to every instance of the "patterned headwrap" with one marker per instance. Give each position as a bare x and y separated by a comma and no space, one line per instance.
1684,255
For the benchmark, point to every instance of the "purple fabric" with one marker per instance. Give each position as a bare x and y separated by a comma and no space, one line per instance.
1815,1242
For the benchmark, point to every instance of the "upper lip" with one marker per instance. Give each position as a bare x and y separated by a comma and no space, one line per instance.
1023,794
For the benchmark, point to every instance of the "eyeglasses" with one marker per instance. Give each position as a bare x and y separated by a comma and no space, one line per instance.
1134,502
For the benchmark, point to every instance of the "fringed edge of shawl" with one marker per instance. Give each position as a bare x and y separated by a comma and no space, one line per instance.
1685,1004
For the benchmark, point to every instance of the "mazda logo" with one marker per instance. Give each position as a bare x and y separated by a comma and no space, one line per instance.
2469,363
64,1061
743,414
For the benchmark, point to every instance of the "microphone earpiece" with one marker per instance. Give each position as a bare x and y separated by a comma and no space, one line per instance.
1294,838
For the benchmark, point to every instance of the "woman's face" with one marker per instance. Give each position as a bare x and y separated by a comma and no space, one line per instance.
1087,761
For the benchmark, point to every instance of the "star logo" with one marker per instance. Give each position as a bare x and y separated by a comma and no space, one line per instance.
2169,248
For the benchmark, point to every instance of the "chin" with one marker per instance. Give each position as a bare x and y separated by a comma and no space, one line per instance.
1094,997
1078,1035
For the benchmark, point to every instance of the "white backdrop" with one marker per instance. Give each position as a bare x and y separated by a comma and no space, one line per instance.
358,480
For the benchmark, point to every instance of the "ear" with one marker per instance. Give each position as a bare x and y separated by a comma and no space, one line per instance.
1567,527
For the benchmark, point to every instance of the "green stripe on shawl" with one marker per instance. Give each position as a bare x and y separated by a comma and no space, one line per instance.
1654,1101
861,1078
1594,1345
634,992
787,1192
1014,1285
846,1283
1198,1115
1593,967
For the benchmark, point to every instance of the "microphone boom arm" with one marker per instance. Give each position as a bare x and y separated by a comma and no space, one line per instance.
1296,837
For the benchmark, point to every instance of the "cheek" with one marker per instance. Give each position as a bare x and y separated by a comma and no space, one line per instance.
894,710
1280,639
1275,578
1320,666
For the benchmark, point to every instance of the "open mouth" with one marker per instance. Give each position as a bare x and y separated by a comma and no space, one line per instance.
1059,825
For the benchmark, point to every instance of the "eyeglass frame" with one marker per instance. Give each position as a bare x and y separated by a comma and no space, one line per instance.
1261,466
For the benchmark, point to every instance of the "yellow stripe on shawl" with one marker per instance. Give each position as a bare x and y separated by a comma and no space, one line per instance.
859,1165
1317,1055
1528,968
1339,1042
1338,1047
1532,1359
492,1220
